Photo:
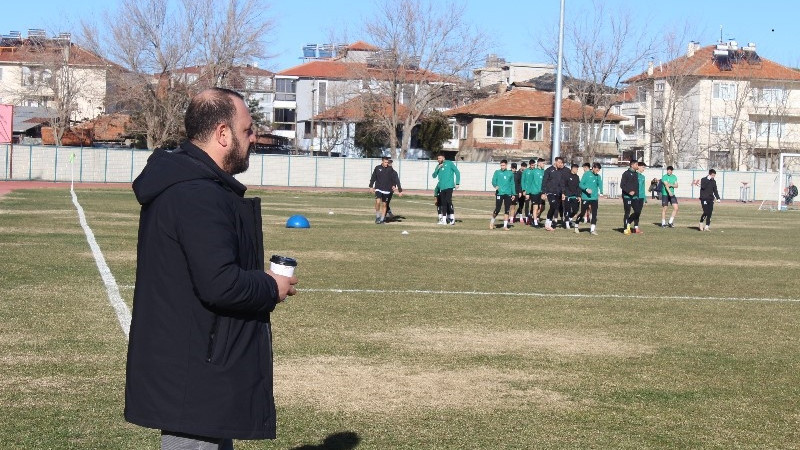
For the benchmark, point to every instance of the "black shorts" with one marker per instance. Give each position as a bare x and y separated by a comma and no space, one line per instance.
504,201
536,199
667,199
383,197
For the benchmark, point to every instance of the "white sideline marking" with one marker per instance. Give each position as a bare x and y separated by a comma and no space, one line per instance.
546,295
123,314
541,294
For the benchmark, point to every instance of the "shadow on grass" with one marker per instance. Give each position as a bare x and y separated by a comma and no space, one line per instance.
338,441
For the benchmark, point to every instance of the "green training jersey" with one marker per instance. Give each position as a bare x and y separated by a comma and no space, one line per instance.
503,181
642,189
446,173
535,186
672,180
592,181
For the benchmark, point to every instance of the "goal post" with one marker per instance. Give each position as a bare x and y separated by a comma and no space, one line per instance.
789,165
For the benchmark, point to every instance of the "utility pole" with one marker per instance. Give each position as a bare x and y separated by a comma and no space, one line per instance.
557,106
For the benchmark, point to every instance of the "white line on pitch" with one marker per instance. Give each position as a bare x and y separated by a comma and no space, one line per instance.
539,294
546,295
123,314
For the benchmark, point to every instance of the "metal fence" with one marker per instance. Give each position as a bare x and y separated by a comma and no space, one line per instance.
108,165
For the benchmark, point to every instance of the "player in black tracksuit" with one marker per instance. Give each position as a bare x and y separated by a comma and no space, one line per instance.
519,203
708,192
572,192
553,189
381,183
396,185
629,184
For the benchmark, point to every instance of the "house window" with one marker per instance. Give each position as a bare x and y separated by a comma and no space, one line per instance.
640,126
723,91
533,131
284,119
721,125
641,94
658,88
285,89
771,96
608,133
500,128
772,129
453,129
564,132
27,77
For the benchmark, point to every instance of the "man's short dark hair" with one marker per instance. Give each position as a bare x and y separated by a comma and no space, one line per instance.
558,158
513,165
208,109
523,164
573,166
711,171
532,161
633,161
587,164
384,158
540,160
504,162
670,168
597,165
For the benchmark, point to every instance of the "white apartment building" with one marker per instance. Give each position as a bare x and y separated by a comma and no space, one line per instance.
42,71
721,106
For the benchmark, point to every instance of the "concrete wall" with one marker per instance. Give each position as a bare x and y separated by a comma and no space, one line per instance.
49,163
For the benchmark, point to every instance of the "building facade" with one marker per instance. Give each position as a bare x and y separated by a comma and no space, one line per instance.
721,106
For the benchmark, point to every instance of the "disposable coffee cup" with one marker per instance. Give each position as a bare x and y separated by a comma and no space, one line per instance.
282,265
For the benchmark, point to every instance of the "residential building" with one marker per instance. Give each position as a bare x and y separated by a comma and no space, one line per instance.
517,124
721,106
54,73
304,92
497,70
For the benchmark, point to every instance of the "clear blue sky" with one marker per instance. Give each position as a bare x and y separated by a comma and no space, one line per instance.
515,25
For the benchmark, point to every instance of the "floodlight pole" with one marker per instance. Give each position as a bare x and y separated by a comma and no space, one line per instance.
557,94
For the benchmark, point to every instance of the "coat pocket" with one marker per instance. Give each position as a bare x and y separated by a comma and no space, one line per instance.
217,352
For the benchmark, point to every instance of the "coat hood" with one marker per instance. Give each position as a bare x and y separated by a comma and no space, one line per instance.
166,168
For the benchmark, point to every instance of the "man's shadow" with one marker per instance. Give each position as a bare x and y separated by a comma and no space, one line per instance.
338,441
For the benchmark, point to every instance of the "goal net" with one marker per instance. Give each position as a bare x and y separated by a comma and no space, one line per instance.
785,191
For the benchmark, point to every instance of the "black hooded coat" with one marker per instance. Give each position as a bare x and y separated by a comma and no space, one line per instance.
200,349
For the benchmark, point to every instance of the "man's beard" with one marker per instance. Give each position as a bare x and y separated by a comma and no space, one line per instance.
234,162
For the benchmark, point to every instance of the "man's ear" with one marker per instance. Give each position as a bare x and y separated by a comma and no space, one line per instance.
222,134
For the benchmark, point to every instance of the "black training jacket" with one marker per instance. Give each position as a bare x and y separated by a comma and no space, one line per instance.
200,349
572,186
554,180
708,189
629,182
382,178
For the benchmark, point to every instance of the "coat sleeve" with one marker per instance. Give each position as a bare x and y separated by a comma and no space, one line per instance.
373,177
209,238
458,174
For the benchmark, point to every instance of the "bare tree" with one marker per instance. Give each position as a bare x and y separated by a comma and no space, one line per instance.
426,49
155,41
601,49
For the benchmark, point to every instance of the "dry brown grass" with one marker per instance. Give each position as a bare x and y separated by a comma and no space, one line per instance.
354,384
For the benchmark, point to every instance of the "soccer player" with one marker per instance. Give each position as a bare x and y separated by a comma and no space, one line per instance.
449,179
629,184
584,214
641,200
503,182
708,191
572,192
520,206
381,184
396,187
669,182
591,188
553,189
532,188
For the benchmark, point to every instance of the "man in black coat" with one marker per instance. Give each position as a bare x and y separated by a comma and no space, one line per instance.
708,193
553,190
629,184
200,353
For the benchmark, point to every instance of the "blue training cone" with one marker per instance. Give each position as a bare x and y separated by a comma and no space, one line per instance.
297,221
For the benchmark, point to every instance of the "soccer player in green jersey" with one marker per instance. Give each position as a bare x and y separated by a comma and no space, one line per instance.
503,182
591,189
669,182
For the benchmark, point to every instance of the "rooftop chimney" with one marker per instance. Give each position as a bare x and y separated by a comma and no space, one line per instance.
650,68
691,48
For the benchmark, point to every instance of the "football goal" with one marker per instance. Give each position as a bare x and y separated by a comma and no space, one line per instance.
784,196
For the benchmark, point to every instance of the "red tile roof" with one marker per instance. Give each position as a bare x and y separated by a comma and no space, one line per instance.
358,108
339,70
45,53
529,104
702,64
362,46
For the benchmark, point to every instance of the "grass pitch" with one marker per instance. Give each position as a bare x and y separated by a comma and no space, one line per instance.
445,337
